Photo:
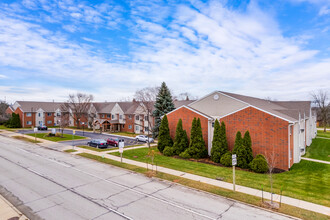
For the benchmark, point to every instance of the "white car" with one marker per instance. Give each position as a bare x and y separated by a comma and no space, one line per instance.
144,138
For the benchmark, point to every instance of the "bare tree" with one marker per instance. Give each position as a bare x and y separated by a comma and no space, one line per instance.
271,161
185,96
3,115
321,101
78,106
146,98
64,121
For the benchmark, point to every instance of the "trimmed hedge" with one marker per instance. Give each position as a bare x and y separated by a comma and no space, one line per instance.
168,151
226,159
259,164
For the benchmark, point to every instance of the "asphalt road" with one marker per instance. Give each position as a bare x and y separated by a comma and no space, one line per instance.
127,141
50,184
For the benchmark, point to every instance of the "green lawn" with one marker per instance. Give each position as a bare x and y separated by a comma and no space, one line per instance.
307,180
319,149
323,134
66,137
70,151
2,127
106,149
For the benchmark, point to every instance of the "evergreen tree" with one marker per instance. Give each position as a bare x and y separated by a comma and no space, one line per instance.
197,144
216,143
219,143
14,121
181,139
240,151
248,146
164,138
163,105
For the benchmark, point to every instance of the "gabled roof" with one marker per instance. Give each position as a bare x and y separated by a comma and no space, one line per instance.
192,109
179,103
104,107
288,110
32,106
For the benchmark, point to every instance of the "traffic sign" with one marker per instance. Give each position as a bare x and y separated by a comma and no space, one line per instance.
121,150
73,132
234,160
35,130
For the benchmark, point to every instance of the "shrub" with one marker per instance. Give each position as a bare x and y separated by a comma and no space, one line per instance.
164,138
185,154
50,135
248,147
226,159
168,151
240,151
219,143
259,164
181,140
14,121
197,147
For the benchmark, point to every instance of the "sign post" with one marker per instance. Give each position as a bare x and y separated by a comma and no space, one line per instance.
234,162
121,149
35,134
73,133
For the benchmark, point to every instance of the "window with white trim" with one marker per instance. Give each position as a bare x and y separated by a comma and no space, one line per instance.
130,117
29,122
120,117
129,126
29,114
49,122
137,117
137,128
146,118
49,114
146,129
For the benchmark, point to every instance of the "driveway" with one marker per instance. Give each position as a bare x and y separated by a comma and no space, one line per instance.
90,135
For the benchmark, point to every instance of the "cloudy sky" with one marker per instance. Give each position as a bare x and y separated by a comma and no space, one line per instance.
50,48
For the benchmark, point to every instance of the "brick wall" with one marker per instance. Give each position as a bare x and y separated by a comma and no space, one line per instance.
268,133
127,123
187,117
49,118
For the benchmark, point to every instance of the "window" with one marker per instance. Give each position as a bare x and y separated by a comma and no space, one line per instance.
102,116
49,122
137,128
29,122
130,117
108,116
123,126
58,114
39,114
40,122
129,126
49,114
145,128
28,114
146,118
212,124
120,117
113,116
137,117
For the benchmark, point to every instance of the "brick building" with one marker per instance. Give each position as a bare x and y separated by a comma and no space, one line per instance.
279,128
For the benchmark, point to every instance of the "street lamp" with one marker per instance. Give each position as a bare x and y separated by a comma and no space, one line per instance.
83,124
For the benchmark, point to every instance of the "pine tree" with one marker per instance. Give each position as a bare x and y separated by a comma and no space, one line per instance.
197,144
181,139
14,121
224,143
164,138
216,143
163,105
248,147
240,151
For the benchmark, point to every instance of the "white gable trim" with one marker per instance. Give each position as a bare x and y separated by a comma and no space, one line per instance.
191,109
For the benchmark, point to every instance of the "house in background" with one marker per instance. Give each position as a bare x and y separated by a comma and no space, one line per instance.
281,130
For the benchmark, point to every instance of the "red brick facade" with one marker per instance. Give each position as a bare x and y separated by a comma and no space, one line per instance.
268,133
187,117
129,120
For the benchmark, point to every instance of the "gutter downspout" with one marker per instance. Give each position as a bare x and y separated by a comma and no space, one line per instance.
289,145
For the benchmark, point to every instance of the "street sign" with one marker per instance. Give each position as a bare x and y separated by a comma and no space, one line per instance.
121,144
73,132
121,150
35,130
233,160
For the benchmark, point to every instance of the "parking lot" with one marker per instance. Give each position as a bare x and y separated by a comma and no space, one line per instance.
127,140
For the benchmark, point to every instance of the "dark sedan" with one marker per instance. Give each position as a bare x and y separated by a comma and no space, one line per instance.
98,143
42,127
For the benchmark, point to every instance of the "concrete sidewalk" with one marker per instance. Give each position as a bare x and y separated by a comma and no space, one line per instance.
254,192
8,211
314,160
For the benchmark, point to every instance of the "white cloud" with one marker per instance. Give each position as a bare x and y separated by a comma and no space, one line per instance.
197,51
2,76
325,10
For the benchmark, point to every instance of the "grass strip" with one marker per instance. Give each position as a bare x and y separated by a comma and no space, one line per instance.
253,200
66,137
105,149
70,151
319,149
26,139
307,180
323,134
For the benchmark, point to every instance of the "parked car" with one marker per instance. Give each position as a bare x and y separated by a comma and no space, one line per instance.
98,143
42,127
113,141
144,138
